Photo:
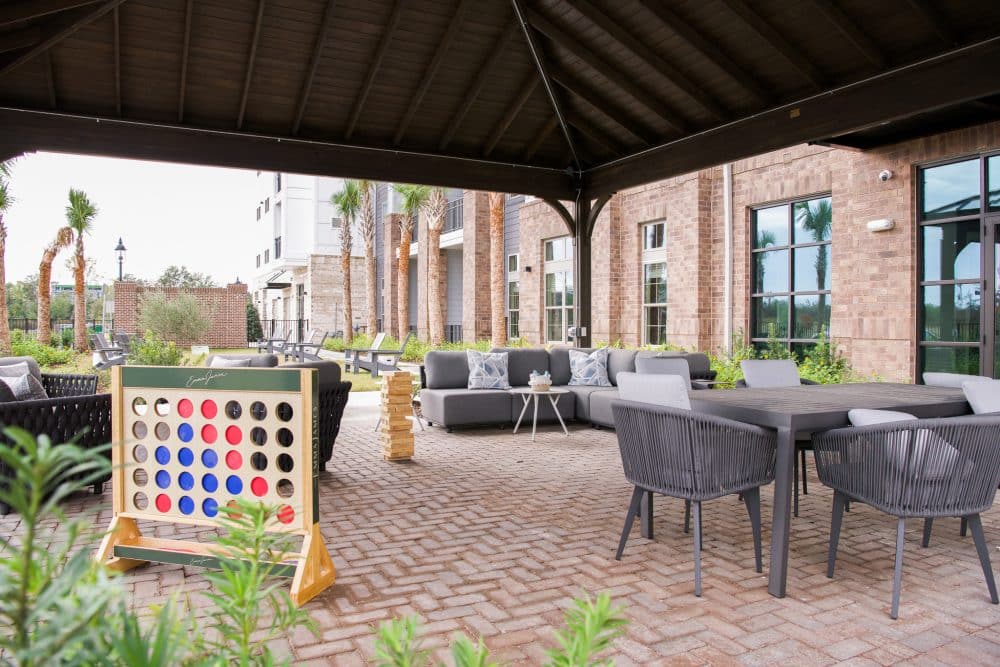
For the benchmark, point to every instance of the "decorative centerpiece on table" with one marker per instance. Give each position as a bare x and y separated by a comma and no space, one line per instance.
539,381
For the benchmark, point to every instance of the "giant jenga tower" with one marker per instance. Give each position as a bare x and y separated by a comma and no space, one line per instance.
396,430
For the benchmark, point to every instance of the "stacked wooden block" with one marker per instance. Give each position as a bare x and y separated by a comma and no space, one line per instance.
396,430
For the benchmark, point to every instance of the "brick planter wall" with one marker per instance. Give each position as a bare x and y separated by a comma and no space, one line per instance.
226,306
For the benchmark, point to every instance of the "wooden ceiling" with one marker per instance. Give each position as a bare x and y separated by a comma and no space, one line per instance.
544,97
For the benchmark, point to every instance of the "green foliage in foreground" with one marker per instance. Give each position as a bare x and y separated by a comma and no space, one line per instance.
59,606
22,345
591,626
151,350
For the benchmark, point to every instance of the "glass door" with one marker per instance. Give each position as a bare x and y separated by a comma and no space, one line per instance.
991,364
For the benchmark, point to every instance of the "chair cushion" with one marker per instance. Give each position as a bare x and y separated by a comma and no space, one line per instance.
29,361
589,369
983,395
925,444
521,361
255,360
955,380
583,396
866,417
668,390
459,406
220,362
620,361
328,375
664,366
770,373
446,370
559,363
600,406
488,370
24,387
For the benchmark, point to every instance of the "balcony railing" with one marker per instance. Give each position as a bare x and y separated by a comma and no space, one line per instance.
453,219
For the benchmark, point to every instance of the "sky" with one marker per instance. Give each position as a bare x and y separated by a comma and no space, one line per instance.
199,217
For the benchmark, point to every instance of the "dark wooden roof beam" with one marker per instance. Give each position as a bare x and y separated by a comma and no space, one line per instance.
708,50
651,58
15,40
26,10
602,103
250,59
852,32
317,52
478,83
596,134
50,80
527,88
777,41
185,50
543,134
540,65
117,47
425,81
935,20
58,30
614,76
376,62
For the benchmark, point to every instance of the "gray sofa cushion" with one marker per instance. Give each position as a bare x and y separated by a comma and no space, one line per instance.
32,365
559,364
461,406
256,360
620,361
664,366
328,375
583,396
446,370
522,360
600,407
567,408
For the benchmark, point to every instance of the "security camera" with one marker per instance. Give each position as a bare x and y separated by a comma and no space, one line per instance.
884,175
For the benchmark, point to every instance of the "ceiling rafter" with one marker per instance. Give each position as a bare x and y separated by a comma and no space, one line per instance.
612,74
376,62
935,20
15,40
596,134
528,87
707,49
58,31
777,41
478,83
117,47
850,29
536,56
543,134
250,61
15,12
182,88
602,103
425,82
651,58
321,37
50,80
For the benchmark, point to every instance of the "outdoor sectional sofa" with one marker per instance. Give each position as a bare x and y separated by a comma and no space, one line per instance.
446,400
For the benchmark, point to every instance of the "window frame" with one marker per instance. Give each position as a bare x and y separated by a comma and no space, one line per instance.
563,266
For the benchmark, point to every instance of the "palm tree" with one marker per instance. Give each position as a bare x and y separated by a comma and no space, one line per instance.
414,197
434,209
80,214
63,240
817,218
348,201
366,228
498,325
6,201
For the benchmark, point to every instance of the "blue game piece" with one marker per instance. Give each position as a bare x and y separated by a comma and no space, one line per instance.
186,481
210,507
186,505
210,458
234,484
162,455
163,479
210,483
185,456
185,432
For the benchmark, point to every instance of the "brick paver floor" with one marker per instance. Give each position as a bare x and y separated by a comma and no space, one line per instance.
488,533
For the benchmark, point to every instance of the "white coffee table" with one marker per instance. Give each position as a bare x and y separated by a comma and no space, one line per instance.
526,394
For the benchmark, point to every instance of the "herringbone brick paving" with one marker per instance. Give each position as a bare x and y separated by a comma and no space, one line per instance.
490,534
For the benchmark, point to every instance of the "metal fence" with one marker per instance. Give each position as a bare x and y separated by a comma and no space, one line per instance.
297,327
29,325
453,215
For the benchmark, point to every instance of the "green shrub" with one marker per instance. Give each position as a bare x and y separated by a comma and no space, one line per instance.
22,345
338,344
179,319
254,330
151,350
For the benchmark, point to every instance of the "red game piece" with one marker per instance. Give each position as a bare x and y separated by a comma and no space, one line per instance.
185,408
233,435
163,503
234,460
209,434
286,514
258,485
209,409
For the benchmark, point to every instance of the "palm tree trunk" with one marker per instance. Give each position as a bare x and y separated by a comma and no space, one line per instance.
498,324
370,278
80,300
45,296
4,324
435,300
345,265
403,287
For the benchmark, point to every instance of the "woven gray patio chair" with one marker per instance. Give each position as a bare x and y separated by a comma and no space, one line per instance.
920,469
694,457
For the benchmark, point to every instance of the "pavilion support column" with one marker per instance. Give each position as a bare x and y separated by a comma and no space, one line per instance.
581,269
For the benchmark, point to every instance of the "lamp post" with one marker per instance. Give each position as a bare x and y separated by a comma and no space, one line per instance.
120,249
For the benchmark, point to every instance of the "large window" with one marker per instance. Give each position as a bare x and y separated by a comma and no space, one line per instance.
654,283
790,272
959,214
558,289
513,297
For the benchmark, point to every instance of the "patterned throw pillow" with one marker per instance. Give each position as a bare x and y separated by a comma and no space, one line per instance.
25,388
589,369
219,362
488,370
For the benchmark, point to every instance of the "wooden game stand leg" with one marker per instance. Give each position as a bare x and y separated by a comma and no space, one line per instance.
122,531
315,571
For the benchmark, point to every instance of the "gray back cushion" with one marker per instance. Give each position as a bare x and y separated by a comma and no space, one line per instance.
32,365
446,370
983,395
329,371
955,380
770,373
667,390
522,360
620,361
698,362
559,363
256,360
664,366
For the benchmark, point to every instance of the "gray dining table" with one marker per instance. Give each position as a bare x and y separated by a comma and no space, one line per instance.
811,408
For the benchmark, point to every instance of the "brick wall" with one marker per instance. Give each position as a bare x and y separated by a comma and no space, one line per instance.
476,266
390,269
324,288
226,306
